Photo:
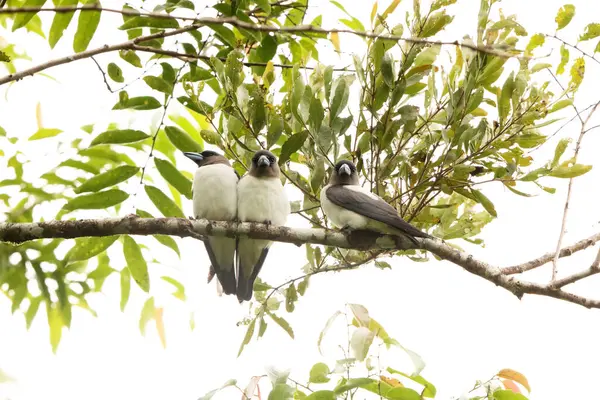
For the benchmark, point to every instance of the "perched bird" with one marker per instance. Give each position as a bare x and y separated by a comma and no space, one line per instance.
261,198
215,198
350,206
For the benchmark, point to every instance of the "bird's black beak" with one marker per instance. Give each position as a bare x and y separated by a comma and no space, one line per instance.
263,161
345,170
196,157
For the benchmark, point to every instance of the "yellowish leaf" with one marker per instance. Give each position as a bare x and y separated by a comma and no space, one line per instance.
393,382
335,39
515,376
390,9
510,385
38,115
373,12
160,325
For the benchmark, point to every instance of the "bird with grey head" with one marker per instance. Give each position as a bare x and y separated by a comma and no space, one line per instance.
214,197
261,198
350,206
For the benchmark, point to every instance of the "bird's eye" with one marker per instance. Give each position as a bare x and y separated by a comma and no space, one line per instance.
272,159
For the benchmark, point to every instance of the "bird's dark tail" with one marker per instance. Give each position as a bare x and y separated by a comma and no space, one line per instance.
225,273
245,284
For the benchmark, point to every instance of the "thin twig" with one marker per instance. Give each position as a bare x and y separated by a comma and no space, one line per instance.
546,258
569,190
90,53
592,270
267,28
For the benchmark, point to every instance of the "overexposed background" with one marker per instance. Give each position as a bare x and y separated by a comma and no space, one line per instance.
464,327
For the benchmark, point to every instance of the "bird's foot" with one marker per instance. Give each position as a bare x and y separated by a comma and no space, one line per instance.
267,222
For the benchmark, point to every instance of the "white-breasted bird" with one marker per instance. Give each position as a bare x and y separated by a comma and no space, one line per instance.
215,198
261,198
350,206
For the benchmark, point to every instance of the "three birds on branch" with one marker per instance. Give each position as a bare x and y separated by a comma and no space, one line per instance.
220,194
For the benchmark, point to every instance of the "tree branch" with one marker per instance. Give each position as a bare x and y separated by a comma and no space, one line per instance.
266,28
90,53
133,225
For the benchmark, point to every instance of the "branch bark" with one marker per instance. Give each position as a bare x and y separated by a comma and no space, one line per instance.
133,225
207,21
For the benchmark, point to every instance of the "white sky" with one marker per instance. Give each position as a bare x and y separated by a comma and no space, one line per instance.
464,327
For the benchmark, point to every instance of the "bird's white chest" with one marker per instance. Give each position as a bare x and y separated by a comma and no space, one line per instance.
340,216
215,193
261,200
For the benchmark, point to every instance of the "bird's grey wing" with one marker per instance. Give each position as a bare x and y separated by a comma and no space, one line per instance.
221,258
373,208
246,276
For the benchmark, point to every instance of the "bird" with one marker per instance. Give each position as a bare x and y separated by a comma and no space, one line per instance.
261,198
214,197
351,207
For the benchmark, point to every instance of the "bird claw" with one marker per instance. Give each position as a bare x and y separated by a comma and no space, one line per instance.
267,222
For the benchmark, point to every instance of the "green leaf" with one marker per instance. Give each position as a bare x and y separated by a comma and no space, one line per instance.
179,289
115,72
508,395
485,202
108,178
540,66
224,34
564,59
55,323
402,393
427,56
147,314
565,171
248,336
559,105
341,92
60,22
100,200
125,287
140,103
592,31
119,136
318,373
536,41
174,177
43,133
182,140
275,130
360,342
315,114
561,147
88,247
353,383
169,242
387,70
22,19
326,328
131,57
435,23
281,391
505,97
158,84
429,391
577,73
264,4
136,263
86,27
321,395
292,145
564,16
149,22
282,323
165,205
